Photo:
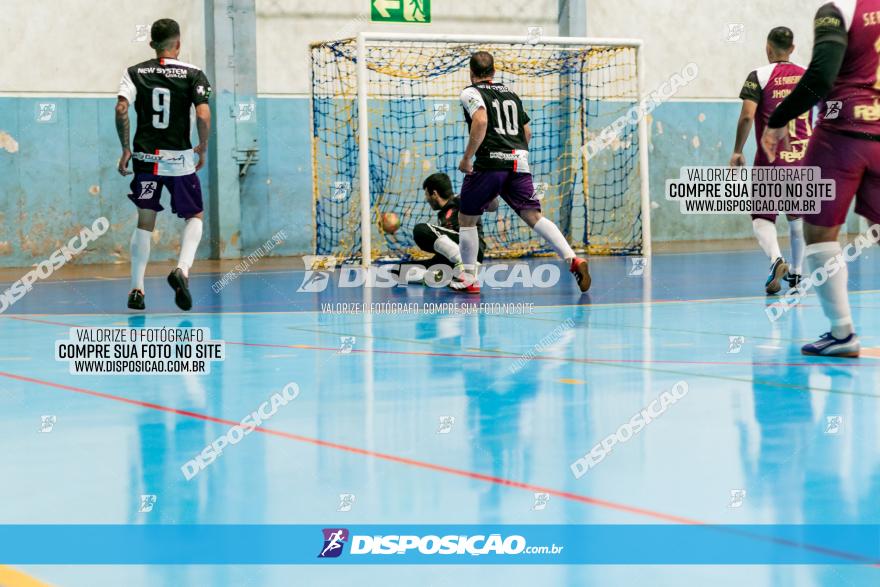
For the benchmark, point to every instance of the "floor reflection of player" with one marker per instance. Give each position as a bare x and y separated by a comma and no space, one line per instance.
775,474
503,442
495,416
783,412
165,441
493,413
497,398
784,416
799,473
843,470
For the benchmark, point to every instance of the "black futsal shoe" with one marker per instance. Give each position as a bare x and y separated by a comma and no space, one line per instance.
136,300
180,284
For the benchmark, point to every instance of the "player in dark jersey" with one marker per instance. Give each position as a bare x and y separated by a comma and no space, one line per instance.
762,91
843,74
163,91
499,138
441,238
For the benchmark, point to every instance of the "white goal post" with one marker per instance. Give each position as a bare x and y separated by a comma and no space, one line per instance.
637,195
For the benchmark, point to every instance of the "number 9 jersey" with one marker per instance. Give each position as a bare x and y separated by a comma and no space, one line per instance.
505,145
163,92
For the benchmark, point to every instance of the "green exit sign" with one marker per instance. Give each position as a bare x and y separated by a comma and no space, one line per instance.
400,11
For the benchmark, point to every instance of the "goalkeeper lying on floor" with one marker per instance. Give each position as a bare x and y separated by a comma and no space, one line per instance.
441,238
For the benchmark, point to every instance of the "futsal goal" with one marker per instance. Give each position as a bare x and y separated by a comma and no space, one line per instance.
386,114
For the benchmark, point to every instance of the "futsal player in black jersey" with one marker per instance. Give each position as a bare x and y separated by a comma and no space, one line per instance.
442,238
163,92
499,139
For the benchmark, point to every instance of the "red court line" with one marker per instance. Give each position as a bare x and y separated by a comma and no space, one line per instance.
22,318
847,363
448,470
842,363
363,452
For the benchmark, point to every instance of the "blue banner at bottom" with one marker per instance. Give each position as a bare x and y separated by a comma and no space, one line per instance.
440,544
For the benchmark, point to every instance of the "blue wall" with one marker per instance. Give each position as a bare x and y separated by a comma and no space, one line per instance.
63,177
686,134
277,193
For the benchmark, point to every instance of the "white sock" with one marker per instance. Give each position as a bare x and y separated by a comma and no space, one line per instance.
796,232
448,248
189,242
765,232
833,293
551,233
140,255
469,246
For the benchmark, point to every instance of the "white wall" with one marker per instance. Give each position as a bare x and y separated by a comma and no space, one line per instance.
286,27
82,46
676,32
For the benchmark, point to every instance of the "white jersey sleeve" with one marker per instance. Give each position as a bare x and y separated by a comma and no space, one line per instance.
471,100
127,88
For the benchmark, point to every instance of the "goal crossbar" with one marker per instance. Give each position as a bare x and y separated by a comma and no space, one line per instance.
489,39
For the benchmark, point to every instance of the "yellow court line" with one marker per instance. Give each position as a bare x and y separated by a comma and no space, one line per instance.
10,577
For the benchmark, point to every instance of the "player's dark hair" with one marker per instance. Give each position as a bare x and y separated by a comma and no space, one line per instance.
440,183
781,38
162,32
482,64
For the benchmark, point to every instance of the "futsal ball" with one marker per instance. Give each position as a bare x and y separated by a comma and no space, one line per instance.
390,222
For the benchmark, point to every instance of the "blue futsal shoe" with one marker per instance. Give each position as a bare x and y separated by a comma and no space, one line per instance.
778,270
828,346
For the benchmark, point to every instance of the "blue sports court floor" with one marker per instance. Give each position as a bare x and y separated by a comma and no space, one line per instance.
763,436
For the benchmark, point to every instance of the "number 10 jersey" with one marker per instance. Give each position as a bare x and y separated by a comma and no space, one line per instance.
505,145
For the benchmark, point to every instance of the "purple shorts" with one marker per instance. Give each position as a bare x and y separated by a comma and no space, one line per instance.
185,190
854,165
483,186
